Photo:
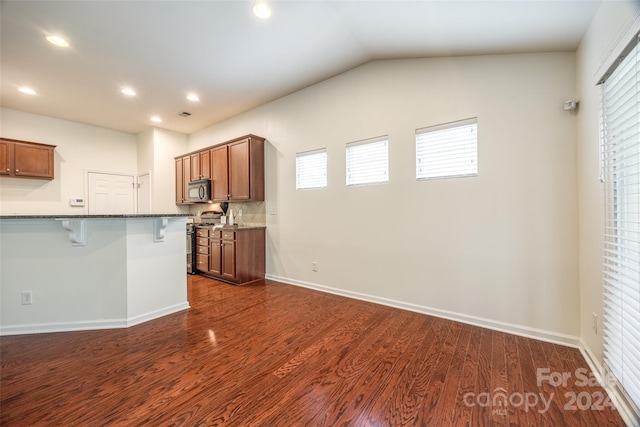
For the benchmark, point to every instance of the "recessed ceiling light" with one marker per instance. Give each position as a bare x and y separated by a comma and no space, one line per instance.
262,10
156,119
193,97
128,91
58,41
27,90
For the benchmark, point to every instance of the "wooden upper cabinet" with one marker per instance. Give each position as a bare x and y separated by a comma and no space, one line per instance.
6,152
179,185
24,159
200,165
186,174
246,169
236,169
205,164
195,167
219,174
239,179
183,175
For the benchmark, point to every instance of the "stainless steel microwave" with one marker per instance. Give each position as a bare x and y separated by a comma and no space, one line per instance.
199,191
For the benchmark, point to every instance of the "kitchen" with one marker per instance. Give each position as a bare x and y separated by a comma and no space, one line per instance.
510,249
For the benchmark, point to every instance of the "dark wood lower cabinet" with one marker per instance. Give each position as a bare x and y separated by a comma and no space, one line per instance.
228,249
215,251
234,255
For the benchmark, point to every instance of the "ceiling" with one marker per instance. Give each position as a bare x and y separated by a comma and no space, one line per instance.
235,61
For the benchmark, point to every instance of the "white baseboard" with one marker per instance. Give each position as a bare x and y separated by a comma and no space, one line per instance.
42,328
592,361
145,317
525,331
624,407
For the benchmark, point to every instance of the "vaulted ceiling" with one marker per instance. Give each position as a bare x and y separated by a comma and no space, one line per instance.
235,61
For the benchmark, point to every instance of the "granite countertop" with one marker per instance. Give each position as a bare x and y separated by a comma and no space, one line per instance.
171,215
233,227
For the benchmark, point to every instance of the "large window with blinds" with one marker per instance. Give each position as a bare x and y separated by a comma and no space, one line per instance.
620,136
368,161
448,150
311,169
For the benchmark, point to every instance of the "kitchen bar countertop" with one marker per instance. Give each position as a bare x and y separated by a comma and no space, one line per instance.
172,215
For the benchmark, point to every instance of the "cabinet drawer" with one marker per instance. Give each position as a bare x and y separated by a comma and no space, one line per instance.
228,235
200,232
202,241
202,250
214,234
202,262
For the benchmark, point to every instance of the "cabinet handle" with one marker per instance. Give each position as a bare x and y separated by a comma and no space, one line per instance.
8,170
17,170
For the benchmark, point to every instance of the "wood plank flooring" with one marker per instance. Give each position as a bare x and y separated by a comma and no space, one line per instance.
270,354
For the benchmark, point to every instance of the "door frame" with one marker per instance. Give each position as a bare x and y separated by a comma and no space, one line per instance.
137,192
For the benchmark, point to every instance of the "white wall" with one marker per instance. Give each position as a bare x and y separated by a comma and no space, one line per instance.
606,33
502,246
79,148
167,145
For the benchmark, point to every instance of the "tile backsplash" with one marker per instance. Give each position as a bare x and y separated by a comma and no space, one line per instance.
253,213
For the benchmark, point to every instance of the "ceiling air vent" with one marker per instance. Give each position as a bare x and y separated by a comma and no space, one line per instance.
184,114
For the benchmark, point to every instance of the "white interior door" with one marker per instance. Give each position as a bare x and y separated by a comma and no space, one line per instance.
111,194
144,193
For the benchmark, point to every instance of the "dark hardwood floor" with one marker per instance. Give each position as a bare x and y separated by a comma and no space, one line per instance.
270,354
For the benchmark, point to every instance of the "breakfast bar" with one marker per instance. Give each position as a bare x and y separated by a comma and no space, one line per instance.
81,272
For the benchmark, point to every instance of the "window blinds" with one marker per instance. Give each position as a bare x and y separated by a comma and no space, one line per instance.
620,136
311,169
449,150
368,161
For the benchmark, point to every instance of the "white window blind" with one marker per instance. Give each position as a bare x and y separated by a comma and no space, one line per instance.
448,150
311,169
620,134
368,161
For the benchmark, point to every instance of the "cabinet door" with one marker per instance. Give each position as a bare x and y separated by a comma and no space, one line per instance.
219,174
33,160
179,182
195,167
5,157
215,256
239,185
186,178
205,164
229,259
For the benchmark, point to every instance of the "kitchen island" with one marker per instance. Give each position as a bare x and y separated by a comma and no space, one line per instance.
79,272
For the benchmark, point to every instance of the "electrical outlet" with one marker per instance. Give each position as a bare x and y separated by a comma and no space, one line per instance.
594,322
27,298
314,266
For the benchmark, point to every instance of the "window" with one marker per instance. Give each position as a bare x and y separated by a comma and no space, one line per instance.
311,169
368,161
448,150
620,135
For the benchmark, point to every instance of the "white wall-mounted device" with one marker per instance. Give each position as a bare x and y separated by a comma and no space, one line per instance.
570,105
76,201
